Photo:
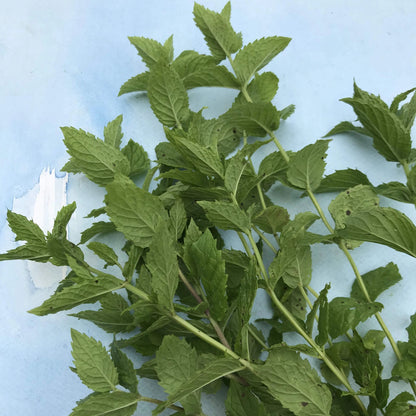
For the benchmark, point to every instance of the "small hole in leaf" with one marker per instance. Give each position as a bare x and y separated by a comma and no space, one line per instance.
304,404
348,212
234,130
96,281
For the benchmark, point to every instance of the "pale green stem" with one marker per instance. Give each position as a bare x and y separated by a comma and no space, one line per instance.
149,176
306,297
265,239
257,254
311,290
156,401
406,168
257,338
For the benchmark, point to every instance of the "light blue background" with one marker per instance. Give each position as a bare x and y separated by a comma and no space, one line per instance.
62,63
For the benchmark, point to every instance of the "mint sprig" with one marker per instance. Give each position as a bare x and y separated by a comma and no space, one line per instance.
190,296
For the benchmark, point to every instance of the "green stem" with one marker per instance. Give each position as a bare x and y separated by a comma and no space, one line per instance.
257,254
265,239
306,297
311,290
156,401
406,168
149,177
257,338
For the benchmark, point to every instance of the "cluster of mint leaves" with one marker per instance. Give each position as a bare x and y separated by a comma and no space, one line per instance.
190,295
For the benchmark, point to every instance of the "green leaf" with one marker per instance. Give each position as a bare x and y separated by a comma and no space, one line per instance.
294,265
26,230
226,215
407,113
206,160
319,303
242,402
197,70
167,154
395,190
96,228
307,166
411,181
112,317
93,364
178,218
176,362
247,293
163,265
350,202
97,160
151,51
118,403
394,106
137,157
221,367
400,405
347,313
168,97
206,263
77,294
257,119
294,383
135,84
347,127
135,212
390,137
220,37
261,89
272,168
113,133
94,213
373,340
105,252
257,55
287,111
341,180
385,226
272,219
125,369
377,281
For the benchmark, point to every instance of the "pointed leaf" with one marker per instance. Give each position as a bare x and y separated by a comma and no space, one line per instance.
135,212
117,403
163,265
137,157
97,160
96,228
385,226
341,180
294,383
226,215
307,166
377,281
272,219
77,294
112,317
347,127
93,364
150,50
221,367
220,37
104,252
113,133
176,362
397,191
257,55
125,369
135,84
168,97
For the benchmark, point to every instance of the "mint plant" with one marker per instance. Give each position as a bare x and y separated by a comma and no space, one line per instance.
191,295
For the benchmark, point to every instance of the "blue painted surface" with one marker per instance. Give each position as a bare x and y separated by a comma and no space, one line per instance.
62,63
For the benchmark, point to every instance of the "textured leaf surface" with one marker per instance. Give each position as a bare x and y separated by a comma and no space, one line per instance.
98,160
341,180
93,364
105,252
163,265
226,215
397,191
390,137
377,281
117,403
257,55
168,97
135,84
295,384
349,202
385,226
272,219
220,37
137,157
261,89
176,362
257,119
206,263
96,228
112,316
126,373
113,133
347,313
213,371
150,50
307,166
71,296
135,212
